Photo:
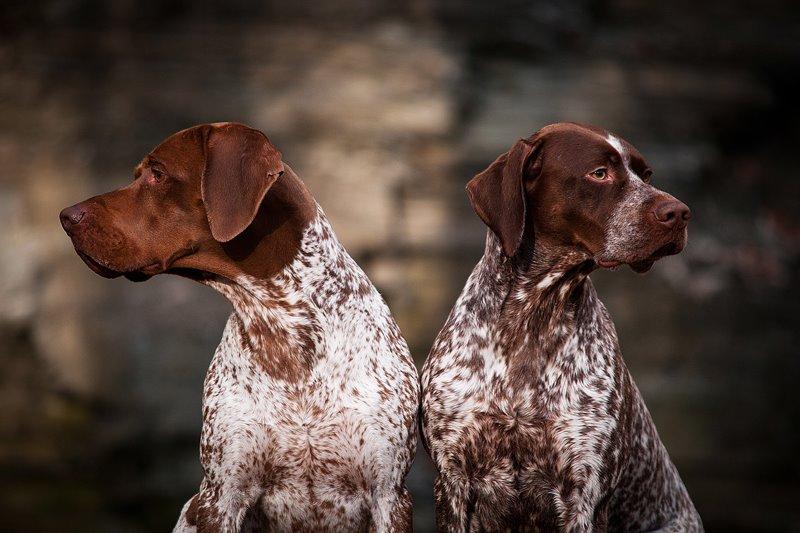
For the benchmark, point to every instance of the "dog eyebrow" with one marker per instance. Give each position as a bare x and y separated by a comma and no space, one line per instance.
150,160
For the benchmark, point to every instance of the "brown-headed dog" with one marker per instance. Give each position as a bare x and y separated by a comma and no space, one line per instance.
529,412
310,401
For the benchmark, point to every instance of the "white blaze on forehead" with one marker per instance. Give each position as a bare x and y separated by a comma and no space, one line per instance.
616,144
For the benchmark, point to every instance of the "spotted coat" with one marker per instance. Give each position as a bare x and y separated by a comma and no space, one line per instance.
309,405
563,443
529,412
310,401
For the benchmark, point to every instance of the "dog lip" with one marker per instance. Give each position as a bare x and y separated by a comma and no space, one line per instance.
640,267
668,249
608,263
672,247
107,272
97,267
136,274
151,269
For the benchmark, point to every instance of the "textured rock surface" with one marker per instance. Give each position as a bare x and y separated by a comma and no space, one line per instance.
386,112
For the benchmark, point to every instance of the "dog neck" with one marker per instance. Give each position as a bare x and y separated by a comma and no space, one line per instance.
540,292
280,278
541,275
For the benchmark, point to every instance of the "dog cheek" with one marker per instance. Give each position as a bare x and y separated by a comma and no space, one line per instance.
628,233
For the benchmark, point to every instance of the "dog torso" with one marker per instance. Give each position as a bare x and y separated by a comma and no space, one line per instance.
310,400
531,416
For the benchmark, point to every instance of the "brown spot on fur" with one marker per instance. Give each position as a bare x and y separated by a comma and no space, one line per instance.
191,512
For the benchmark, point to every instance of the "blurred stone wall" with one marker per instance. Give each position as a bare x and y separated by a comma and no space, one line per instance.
386,110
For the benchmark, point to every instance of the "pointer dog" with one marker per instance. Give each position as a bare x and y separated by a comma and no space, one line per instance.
310,401
528,410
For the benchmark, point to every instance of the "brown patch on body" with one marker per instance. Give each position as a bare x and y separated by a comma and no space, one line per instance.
191,512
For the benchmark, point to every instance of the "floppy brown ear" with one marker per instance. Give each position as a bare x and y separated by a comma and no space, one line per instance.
241,166
498,195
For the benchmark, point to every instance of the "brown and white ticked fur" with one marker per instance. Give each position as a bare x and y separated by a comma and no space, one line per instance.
528,410
310,401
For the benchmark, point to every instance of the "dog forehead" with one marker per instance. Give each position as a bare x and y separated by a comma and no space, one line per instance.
573,127
573,144
184,148
572,137
570,140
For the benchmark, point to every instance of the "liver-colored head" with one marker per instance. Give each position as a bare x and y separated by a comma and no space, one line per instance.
191,197
583,188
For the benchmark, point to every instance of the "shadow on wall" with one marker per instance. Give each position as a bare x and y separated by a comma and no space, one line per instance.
386,112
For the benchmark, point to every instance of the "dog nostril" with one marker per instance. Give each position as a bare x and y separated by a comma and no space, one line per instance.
71,216
671,212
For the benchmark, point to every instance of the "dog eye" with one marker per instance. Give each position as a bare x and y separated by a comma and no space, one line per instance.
646,175
599,174
157,175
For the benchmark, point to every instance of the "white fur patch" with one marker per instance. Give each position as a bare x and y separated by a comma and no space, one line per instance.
624,155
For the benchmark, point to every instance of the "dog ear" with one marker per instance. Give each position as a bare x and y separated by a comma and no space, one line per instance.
241,165
498,194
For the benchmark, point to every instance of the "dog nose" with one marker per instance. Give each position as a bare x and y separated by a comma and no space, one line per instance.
672,213
72,216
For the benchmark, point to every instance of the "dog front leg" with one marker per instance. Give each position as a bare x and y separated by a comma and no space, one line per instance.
187,521
688,522
220,509
453,512
392,513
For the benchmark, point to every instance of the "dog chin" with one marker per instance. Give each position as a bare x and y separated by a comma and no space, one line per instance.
640,267
137,276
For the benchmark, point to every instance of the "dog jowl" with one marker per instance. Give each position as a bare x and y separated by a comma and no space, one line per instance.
528,410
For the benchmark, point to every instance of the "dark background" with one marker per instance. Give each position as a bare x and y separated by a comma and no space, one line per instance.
386,109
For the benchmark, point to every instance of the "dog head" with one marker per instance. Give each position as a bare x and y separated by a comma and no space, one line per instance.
583,188
191,199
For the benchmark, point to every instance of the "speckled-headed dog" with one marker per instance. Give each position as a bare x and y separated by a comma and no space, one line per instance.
528,410
310,401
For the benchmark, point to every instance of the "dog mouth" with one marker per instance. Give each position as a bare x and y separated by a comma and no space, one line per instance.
107,272
138,274
641,266
97,267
